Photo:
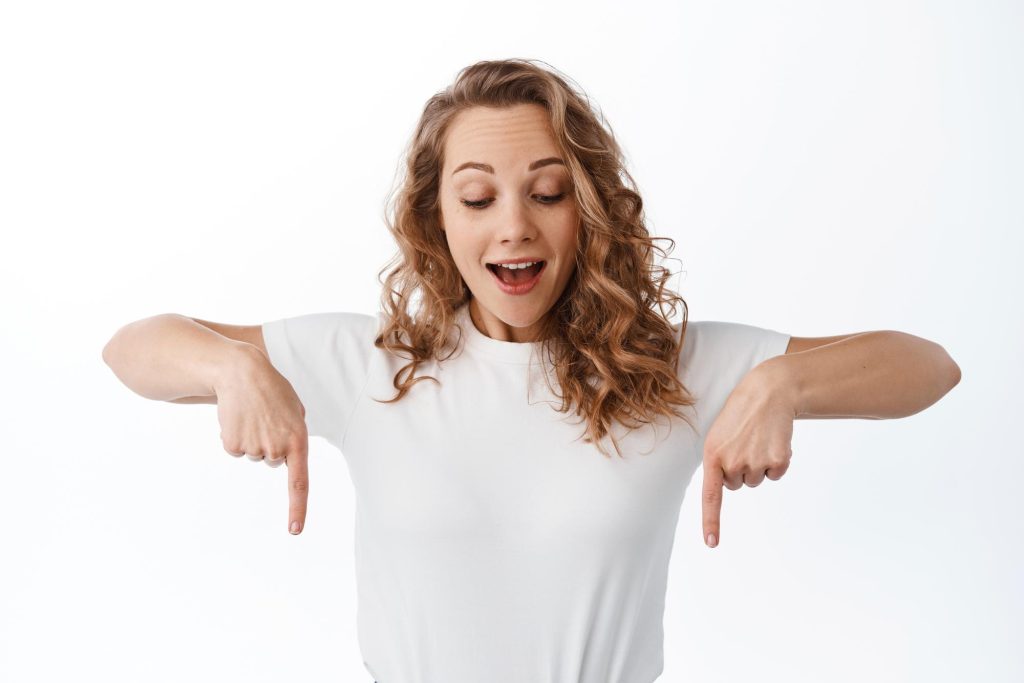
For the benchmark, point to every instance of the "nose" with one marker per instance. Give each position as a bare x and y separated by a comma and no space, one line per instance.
515,224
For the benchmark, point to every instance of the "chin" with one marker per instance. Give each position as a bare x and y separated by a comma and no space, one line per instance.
514,314
528,319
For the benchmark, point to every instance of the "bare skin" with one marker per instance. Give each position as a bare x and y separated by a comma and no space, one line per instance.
873,375
528,212
521,213
184,360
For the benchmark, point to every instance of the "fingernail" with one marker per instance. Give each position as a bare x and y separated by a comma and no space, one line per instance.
295,527
712,541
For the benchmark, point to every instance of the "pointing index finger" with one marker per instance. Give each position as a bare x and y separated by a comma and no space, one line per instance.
298,486
712,501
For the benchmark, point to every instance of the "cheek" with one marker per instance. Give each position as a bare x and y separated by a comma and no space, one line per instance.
463,247
567,233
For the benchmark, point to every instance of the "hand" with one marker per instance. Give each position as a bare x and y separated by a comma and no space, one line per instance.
750,439
261,416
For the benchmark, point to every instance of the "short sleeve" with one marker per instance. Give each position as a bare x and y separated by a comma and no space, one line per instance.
326,359
715,357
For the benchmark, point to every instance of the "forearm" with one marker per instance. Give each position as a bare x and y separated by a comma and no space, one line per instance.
170,356
875,375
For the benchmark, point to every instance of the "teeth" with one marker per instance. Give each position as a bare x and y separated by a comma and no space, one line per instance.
517,266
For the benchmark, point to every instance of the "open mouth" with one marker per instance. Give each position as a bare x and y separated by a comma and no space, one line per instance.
517,280
516,276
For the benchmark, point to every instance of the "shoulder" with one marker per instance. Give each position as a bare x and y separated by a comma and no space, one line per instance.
719,342
328,320
319,339
723,331
323,326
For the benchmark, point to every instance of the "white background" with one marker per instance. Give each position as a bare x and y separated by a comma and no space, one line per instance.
825,168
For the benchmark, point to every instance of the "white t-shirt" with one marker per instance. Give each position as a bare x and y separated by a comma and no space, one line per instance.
492,543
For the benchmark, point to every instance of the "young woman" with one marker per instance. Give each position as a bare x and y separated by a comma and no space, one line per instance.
521,419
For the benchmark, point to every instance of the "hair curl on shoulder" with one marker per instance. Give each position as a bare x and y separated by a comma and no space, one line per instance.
612,347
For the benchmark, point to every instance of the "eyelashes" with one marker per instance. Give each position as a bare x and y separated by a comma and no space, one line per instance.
545,199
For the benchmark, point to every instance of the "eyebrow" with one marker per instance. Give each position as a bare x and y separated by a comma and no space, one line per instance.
490,169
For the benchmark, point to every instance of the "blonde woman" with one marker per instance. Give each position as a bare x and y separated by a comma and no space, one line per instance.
521,419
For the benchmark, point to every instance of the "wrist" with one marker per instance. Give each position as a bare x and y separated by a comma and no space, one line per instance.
780,377
239,361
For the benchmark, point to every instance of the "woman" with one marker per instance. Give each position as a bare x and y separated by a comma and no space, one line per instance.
496,539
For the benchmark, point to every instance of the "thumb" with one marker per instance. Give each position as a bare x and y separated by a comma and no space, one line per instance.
711,505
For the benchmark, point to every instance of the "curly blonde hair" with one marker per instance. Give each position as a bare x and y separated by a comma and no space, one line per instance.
614,355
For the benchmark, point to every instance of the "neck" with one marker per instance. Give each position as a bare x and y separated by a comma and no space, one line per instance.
494,327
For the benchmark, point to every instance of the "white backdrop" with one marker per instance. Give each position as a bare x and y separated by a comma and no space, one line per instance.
825,168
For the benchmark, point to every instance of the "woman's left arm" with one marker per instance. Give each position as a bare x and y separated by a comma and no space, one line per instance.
872,375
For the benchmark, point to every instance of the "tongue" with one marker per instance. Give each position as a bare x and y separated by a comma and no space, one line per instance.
513,277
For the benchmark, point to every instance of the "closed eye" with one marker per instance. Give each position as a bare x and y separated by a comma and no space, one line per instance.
544,199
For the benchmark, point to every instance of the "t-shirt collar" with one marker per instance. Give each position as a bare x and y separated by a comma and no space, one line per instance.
509,352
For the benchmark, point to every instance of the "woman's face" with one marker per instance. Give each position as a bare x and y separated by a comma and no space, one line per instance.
505,162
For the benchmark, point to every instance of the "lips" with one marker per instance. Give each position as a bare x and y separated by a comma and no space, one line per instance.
517,287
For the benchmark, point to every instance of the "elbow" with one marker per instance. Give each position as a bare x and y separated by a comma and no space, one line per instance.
107,353
951,371
954,373
111,349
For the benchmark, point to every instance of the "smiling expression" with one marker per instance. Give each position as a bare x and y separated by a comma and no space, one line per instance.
506,195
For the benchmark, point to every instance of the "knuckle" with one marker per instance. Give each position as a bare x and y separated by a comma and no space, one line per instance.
300,485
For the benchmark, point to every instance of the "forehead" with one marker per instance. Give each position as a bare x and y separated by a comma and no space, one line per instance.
491,135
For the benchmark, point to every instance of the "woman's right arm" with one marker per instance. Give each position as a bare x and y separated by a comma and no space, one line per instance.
175,358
